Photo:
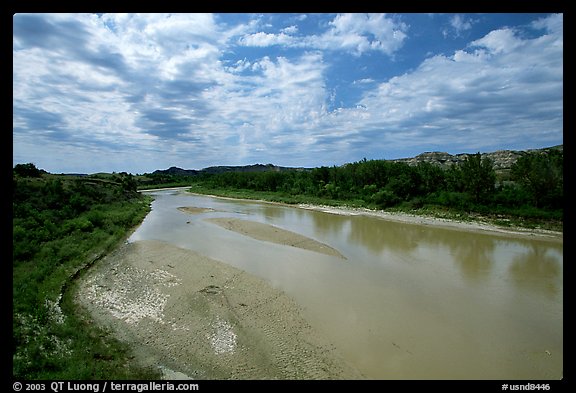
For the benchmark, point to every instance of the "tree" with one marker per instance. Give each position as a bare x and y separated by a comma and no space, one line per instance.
433,178
404,180
27,170
128,182
542,175
478,177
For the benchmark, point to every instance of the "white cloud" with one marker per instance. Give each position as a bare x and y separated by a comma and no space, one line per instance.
157,36
266,39
173,89
239,66
552,24
355,33
498,41
460,24
116,73
363,81
509,91
281,94
290,29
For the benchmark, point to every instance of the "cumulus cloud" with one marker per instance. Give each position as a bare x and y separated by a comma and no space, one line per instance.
193,91
470,98
499,41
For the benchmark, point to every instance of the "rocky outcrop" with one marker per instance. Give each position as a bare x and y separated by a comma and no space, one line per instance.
502,159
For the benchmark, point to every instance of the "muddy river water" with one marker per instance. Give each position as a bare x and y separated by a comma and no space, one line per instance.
407,301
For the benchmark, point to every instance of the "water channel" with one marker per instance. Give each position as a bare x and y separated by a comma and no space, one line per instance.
408,301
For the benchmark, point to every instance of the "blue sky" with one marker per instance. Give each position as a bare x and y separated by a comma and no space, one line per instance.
140,92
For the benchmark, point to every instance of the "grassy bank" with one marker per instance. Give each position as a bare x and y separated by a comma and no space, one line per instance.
508,218
60,227
270,196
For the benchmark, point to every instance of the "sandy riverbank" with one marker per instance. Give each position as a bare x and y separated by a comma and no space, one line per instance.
198,318
473,226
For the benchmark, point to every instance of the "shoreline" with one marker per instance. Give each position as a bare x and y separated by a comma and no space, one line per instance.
414,219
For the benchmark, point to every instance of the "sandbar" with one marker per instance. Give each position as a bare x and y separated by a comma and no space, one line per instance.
195,210
273,234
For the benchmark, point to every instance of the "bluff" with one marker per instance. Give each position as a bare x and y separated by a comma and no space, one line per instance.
502,159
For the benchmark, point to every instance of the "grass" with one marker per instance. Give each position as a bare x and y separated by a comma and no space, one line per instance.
53,339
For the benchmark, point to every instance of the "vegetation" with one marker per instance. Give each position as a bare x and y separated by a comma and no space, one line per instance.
533,197
61,224
542,178
162,180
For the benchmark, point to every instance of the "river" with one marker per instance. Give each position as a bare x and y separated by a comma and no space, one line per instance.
408,301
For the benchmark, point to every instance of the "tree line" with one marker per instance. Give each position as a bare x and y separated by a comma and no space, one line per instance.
535,185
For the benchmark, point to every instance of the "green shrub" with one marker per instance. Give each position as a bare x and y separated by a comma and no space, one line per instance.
385,198
456,200
53,238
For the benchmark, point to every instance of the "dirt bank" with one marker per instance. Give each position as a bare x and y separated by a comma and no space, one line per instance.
203,319
270,233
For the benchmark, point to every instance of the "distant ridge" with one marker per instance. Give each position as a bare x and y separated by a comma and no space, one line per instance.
503,161
221,169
